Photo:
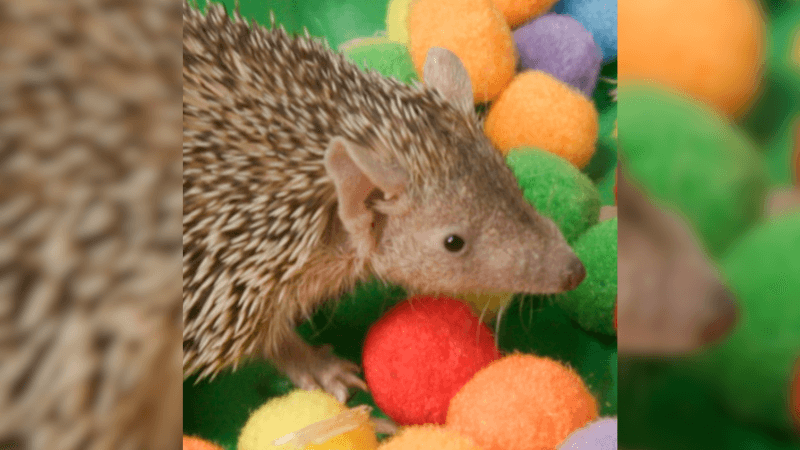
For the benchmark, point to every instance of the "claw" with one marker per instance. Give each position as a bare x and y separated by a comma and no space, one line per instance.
313,368
384,426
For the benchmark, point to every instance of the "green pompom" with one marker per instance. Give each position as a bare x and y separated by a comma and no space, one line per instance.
557,189
390,59
592,303
753,367
692,159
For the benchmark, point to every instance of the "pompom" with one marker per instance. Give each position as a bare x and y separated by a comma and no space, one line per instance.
537,110
397,21
297,413
196,443
692,159
593,302
518,12
390,59
556,189
426,437
666,43
597,16
522,402
472,29
420,353
598,435
754,367
487,303
559,45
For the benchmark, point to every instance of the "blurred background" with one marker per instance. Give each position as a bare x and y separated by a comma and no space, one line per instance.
90,224
709,122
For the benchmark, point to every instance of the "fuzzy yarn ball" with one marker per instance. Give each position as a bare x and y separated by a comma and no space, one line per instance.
518,12
475,31
390,59
294,411
599,17
522,402
537,110
420,353
196,443
557,189
426,437
666,44
593,302
754,368
559,45
397,21
689,157
598,435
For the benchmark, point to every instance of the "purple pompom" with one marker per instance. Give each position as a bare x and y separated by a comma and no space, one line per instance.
559,45
598,435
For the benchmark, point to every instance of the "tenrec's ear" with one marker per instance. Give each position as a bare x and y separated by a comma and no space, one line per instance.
445,72
357,172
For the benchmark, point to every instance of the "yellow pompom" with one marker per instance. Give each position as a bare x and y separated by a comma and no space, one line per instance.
425,437
314,420
397,21
713,50
517,12
476,31
537,110
487,304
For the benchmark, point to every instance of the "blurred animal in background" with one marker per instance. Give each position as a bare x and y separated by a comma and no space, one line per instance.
671,299
90,225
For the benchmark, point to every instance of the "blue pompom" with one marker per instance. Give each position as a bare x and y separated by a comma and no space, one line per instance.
597,16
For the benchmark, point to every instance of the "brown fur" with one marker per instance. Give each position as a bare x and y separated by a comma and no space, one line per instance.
90,207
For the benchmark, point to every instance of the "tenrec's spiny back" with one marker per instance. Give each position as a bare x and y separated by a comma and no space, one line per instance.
260,108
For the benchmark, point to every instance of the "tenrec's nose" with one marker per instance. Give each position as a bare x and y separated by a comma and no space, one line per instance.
575,272
726,318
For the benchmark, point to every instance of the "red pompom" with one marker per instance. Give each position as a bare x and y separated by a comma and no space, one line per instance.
419,354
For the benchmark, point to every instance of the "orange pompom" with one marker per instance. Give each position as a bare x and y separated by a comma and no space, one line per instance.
476,31
537,110
522,402
195,443
424,437
518,12
711,49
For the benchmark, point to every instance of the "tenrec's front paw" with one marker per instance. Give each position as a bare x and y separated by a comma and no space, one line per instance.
318,368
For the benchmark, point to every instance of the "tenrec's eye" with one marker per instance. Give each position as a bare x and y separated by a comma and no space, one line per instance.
453,243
